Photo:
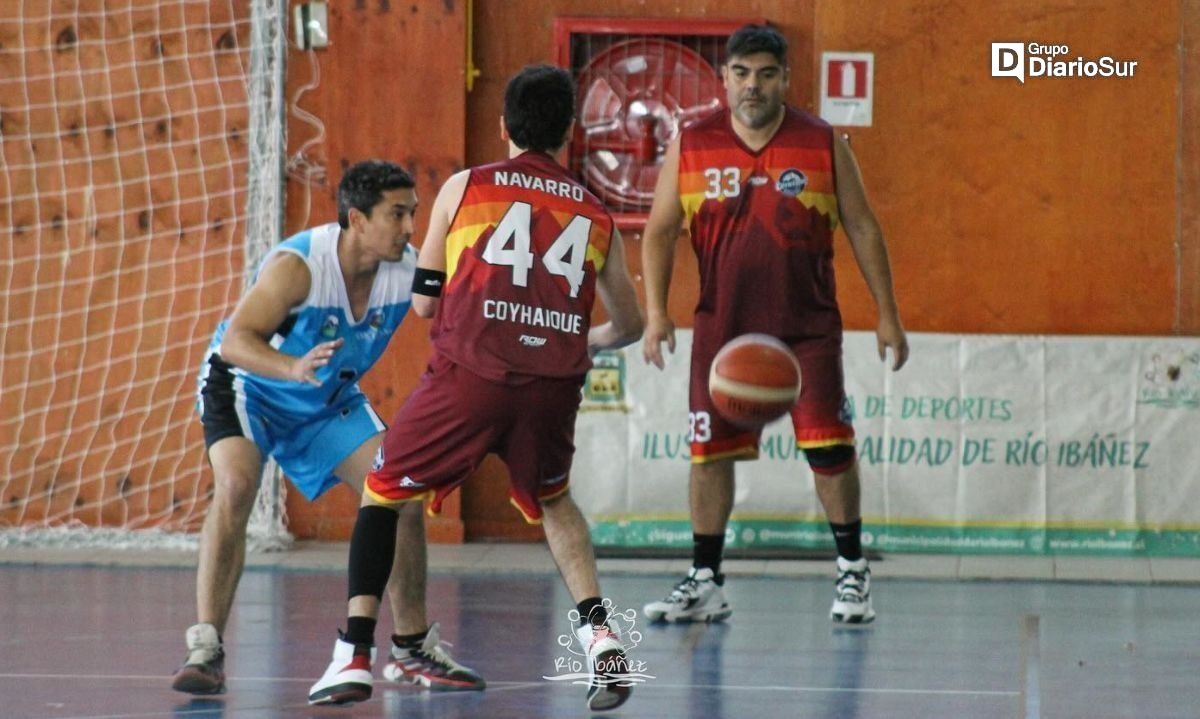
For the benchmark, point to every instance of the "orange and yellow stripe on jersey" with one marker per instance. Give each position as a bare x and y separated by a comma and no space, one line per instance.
483,206
523,254
795,166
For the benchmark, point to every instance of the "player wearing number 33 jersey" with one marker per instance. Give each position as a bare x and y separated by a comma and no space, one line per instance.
761,223
761,187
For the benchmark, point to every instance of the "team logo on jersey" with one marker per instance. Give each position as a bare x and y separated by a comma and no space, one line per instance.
329,330
376,319
791,183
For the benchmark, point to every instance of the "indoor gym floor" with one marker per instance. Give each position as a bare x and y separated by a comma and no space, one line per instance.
97,634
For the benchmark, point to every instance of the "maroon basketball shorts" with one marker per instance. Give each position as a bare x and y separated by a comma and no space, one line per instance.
820,418
454,418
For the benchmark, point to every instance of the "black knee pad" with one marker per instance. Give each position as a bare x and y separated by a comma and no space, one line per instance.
833,459
372,548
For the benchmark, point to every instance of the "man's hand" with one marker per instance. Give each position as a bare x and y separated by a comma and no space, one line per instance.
890,333
304,369
659,329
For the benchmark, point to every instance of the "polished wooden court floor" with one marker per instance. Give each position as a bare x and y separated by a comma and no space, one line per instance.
91,642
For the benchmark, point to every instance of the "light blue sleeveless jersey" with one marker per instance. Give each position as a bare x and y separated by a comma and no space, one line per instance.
325,316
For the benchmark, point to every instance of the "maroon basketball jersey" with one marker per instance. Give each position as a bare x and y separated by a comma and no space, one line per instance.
521,260
762,227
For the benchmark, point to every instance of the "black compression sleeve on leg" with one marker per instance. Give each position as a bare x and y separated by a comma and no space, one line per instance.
372,549
360,631
849,539
592,612
707,550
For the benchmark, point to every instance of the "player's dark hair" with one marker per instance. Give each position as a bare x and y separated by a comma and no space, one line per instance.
751,39
363,185
539,104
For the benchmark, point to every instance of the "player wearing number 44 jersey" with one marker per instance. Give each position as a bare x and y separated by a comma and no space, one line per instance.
761,188
516,253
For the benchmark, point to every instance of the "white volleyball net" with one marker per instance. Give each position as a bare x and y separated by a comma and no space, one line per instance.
141,145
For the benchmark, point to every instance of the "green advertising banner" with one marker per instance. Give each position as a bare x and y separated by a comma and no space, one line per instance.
981,444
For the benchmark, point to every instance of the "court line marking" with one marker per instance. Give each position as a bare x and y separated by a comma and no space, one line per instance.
528,684
157,677
837,690
1031,692
216,702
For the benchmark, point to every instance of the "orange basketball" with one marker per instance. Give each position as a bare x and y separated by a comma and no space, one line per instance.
754,379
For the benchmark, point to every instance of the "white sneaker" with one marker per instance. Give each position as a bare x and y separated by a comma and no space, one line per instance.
348,678
852,605
609,685
431,666
698,598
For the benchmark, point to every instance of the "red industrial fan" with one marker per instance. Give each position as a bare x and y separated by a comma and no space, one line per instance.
634,98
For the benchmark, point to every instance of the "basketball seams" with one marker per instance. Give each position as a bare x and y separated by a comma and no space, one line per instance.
753,379
752,392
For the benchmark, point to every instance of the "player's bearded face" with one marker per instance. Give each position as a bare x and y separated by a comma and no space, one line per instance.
755,87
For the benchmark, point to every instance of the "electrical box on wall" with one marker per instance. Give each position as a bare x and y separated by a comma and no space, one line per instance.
639,82
311,23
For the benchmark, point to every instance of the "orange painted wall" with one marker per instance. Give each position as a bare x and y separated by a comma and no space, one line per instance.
1188,187
1049,207
1065,188
390,85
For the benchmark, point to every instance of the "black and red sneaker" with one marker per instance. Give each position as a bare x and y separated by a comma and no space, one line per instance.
431,666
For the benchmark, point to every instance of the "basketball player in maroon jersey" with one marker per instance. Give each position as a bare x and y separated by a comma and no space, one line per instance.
761,186
515,255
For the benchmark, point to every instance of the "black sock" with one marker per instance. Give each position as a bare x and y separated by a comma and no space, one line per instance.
409,641
592,611
706,551
849,540
360,631
372,549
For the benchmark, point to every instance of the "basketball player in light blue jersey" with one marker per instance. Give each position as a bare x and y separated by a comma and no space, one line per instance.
280,378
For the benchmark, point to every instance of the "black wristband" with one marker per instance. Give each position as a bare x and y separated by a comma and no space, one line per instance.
428,282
